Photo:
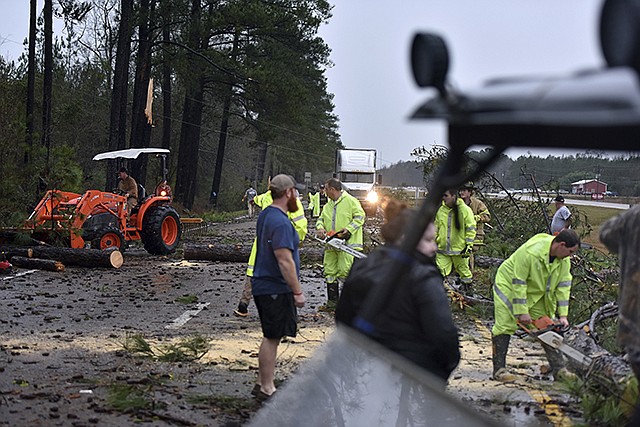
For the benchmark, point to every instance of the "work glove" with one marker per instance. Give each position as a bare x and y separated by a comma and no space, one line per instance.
467,251
343,234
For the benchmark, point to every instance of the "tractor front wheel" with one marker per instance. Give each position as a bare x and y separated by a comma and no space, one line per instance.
161,230
109,237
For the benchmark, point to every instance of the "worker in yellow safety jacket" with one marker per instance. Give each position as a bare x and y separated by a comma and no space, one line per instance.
535,281
480,214
314,204
299,222
455,234
342,217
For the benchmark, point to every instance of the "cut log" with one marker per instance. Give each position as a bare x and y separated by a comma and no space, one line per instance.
11,251
79,257
37,263
240,253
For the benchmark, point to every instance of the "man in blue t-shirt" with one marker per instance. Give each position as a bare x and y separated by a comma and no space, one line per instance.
275,284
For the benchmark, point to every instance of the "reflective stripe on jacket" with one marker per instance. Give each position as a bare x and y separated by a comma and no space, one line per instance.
347,213
527,276
297,218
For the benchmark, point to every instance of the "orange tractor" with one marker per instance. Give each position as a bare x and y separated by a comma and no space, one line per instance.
100,218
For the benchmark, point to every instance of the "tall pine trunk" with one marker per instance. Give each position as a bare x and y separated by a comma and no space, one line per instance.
186,179
224,131
31,81
140,126
47,87
166,79
187,171
118,123
261,155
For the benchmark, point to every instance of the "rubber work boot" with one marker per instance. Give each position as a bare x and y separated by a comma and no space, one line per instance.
332,293
467,287
500,345
242,310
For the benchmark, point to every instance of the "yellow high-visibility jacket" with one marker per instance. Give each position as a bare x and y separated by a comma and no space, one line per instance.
297,218
450,240
527,276
314,204
346,212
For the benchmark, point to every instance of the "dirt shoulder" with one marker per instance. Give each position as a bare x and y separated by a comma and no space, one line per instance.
63,361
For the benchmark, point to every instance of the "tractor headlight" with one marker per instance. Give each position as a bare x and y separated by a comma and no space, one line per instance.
372,197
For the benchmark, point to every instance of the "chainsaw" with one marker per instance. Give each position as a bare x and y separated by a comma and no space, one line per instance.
550,333
337,243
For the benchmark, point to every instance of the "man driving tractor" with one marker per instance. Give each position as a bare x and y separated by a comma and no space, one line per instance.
129,188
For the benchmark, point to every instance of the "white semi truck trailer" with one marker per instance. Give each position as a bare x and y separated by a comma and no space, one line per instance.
356,169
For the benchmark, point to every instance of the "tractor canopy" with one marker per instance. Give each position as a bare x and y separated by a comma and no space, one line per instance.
131,153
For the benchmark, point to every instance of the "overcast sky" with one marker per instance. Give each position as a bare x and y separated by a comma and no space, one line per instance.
370,39
372,82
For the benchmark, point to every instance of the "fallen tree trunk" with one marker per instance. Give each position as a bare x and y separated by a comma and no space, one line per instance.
37,263
217,252
308,253
604,364
68,256
80,257
11,251
240,253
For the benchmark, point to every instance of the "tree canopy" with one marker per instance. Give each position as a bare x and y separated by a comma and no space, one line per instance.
238,94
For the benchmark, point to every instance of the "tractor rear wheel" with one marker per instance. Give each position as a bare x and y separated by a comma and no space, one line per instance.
109,237
161,230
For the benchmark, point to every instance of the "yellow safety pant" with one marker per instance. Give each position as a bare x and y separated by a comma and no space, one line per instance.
447,262
337,265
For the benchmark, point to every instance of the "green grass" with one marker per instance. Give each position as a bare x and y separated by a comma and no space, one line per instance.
128,397
596,216
187,299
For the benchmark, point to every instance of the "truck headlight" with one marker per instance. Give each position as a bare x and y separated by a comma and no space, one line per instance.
372,197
